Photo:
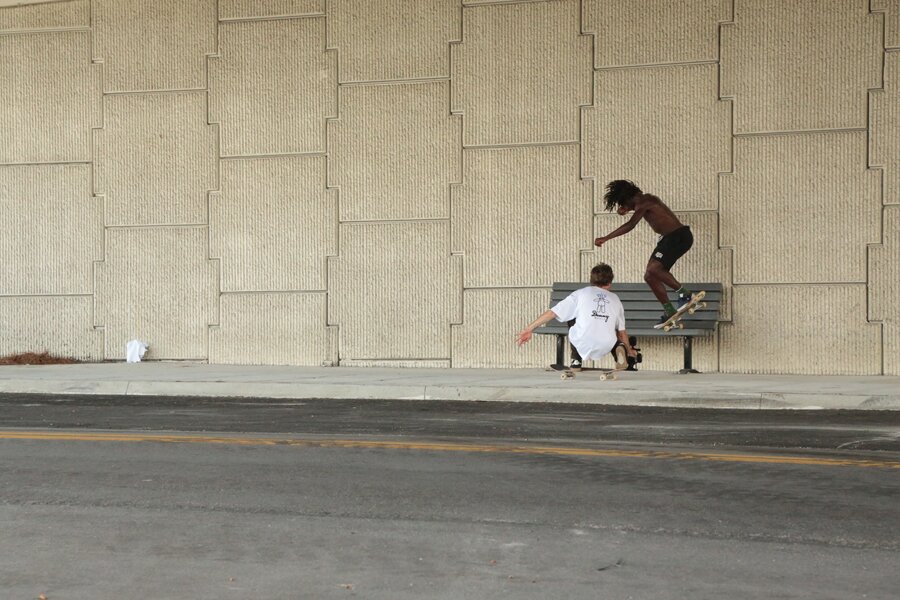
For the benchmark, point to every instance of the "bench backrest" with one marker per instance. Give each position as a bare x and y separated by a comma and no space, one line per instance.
642,309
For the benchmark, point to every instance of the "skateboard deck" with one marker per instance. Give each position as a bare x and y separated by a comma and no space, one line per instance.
567,373
691,307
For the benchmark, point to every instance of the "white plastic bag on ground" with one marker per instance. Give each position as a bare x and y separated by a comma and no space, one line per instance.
135,351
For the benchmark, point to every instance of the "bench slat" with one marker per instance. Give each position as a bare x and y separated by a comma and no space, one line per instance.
650,304
571,286
650,332
635,296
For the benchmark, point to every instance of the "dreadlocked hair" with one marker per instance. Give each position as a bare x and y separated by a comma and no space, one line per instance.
618,192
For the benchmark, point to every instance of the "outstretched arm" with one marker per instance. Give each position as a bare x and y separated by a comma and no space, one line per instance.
525,335
632,222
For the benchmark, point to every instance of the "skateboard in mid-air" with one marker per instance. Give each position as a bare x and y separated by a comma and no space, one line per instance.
692,306
567,373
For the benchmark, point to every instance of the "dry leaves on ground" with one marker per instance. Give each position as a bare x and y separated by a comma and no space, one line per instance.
34,358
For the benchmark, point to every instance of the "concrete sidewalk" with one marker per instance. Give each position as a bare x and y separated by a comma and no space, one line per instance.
643,388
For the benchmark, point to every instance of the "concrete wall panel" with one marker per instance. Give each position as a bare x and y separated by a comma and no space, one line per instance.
521,216
884,288
158,45
419,34
521,73
785,208
398,364
155,158
479,2
486,337
46,16
891,10
267,100
885,128
686,31
394,291
273,224
781,64
60,325
48,97
157,285
252,9
776,328
271,329
662,127
394,151
51,230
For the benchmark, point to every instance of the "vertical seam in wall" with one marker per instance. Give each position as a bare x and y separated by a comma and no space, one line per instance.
98,198
332,336
590,181
869,166
217,188
460,265
730,252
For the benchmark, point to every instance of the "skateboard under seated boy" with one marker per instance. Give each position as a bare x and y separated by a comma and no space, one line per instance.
622,363
568,373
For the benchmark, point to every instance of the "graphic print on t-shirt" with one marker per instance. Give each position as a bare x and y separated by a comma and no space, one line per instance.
600,311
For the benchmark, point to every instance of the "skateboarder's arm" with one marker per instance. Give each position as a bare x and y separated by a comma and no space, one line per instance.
631,224
525,334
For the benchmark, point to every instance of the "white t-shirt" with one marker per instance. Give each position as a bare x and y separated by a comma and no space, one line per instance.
598,314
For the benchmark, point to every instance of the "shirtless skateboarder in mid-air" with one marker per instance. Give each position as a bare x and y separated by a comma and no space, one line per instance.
675,239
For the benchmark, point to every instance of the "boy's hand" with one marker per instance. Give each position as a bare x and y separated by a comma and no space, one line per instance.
599,241
523,337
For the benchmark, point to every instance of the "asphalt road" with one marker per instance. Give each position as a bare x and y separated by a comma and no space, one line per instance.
108,498
575,423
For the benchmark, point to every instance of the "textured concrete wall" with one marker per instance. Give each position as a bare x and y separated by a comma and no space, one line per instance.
400,182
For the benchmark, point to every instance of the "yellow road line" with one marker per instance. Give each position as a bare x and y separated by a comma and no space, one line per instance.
187,438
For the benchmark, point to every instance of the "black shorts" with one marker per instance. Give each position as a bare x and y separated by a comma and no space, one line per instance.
672,246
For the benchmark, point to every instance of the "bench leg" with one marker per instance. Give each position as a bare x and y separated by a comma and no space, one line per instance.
688,356
560,349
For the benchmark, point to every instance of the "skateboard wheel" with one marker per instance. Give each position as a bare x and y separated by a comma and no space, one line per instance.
667,328
692,310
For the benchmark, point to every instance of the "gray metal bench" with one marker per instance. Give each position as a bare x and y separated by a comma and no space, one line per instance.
642,312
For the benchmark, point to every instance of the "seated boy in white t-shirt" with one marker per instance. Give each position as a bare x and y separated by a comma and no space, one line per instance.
599,319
